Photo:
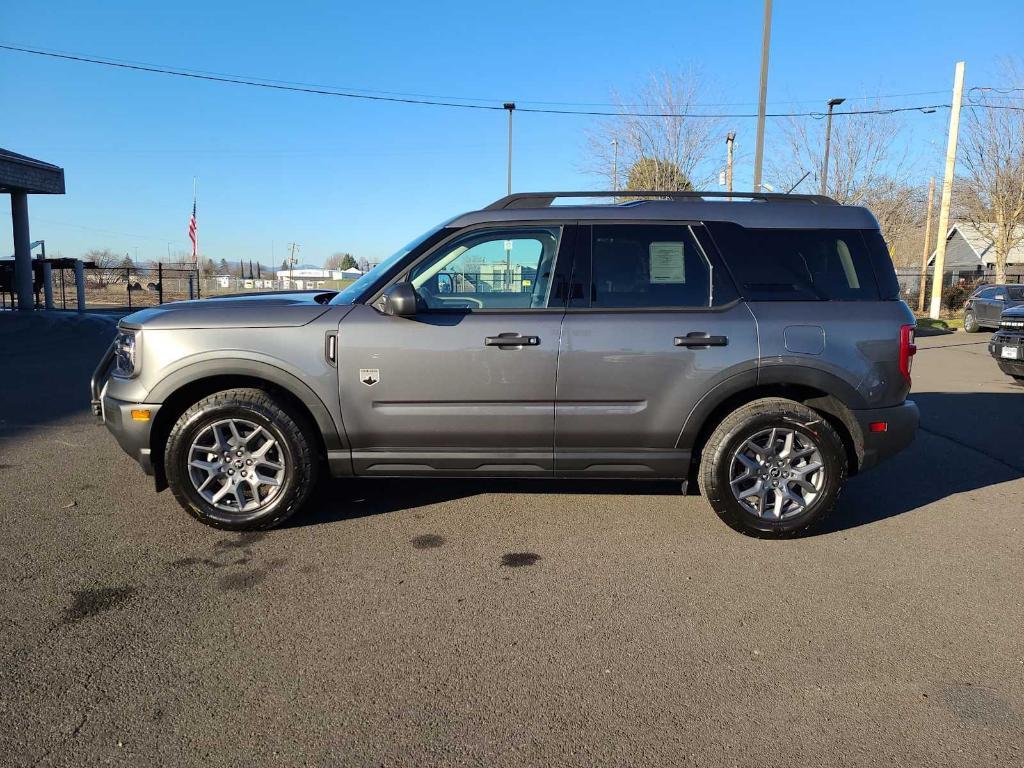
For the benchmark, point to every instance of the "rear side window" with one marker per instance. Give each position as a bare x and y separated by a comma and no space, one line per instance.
1016,293
885,272
800,265
648,265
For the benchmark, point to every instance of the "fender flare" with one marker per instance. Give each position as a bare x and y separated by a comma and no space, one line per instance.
257,369
816,378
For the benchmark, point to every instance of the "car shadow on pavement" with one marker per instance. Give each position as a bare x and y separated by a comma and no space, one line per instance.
336,500
54,355
968,441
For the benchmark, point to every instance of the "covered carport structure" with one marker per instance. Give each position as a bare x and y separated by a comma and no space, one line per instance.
21,176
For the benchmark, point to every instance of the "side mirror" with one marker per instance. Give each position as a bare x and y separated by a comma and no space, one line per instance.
400,300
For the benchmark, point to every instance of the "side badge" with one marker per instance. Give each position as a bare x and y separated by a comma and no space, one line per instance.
369,376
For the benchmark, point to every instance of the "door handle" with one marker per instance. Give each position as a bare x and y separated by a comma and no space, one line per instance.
700,340
511,340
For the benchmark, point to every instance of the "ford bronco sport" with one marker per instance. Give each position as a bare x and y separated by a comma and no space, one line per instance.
756,344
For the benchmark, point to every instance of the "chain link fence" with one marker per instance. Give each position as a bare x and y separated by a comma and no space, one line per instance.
129,288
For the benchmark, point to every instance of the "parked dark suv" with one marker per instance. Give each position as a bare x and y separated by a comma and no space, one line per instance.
987,303
1007,344
756,344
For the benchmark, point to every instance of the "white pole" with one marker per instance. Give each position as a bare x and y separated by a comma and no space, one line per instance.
80,284
947,190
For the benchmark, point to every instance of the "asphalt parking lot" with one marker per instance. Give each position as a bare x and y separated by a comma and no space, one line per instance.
508,624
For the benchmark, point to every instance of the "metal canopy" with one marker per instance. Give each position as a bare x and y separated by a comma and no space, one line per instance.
19,173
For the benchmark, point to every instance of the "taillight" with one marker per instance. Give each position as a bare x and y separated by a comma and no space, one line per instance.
907,350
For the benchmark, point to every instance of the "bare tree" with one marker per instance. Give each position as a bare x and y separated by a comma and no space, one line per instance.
862,156
646,137
107,266
992,195
340,261
901,210
866,167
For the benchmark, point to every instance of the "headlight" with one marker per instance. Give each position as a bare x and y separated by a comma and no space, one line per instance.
125,349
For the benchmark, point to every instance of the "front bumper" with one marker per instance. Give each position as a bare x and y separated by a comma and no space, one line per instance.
1002,340
132,435
116,415
900,427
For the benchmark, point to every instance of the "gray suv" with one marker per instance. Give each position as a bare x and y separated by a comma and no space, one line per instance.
754,344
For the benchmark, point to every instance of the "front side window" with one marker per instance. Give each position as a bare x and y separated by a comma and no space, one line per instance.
490,269
648,265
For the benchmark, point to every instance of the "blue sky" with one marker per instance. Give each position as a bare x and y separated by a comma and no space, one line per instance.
335,174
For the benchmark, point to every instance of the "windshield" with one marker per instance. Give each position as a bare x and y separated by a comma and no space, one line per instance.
352,292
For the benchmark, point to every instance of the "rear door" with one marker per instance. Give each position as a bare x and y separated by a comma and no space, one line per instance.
467,385
654,323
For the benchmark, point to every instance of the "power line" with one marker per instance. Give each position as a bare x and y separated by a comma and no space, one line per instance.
438,102
432,97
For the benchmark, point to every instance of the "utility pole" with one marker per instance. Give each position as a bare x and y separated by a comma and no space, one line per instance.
730,139
766,37
927,242
615,164
293,248
832,104
510,106
947,190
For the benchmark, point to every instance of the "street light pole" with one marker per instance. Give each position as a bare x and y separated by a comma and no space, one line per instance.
766,38
510,106
832,104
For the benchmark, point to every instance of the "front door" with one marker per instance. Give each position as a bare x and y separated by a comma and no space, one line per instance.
659,329
467,386
985,306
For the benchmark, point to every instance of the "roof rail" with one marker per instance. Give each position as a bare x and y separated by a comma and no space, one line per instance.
545,199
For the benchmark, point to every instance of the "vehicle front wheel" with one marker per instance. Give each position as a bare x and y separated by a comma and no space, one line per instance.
240,461
773,468
971,323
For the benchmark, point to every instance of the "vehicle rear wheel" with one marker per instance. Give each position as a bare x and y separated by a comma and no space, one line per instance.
238,460
971,323
773,468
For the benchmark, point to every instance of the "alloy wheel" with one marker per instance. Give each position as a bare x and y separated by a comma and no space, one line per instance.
236,465
777,473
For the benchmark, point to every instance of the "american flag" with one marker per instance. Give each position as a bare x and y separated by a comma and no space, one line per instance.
193,233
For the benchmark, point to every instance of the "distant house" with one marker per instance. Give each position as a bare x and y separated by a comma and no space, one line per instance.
968,252
307,276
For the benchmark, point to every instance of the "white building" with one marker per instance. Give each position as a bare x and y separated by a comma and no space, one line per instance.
306,276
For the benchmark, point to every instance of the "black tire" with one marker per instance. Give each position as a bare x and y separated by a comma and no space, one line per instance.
971,323
753,419
293,435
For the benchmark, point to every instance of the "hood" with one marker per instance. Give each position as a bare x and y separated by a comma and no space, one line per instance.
254,310
1016,311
